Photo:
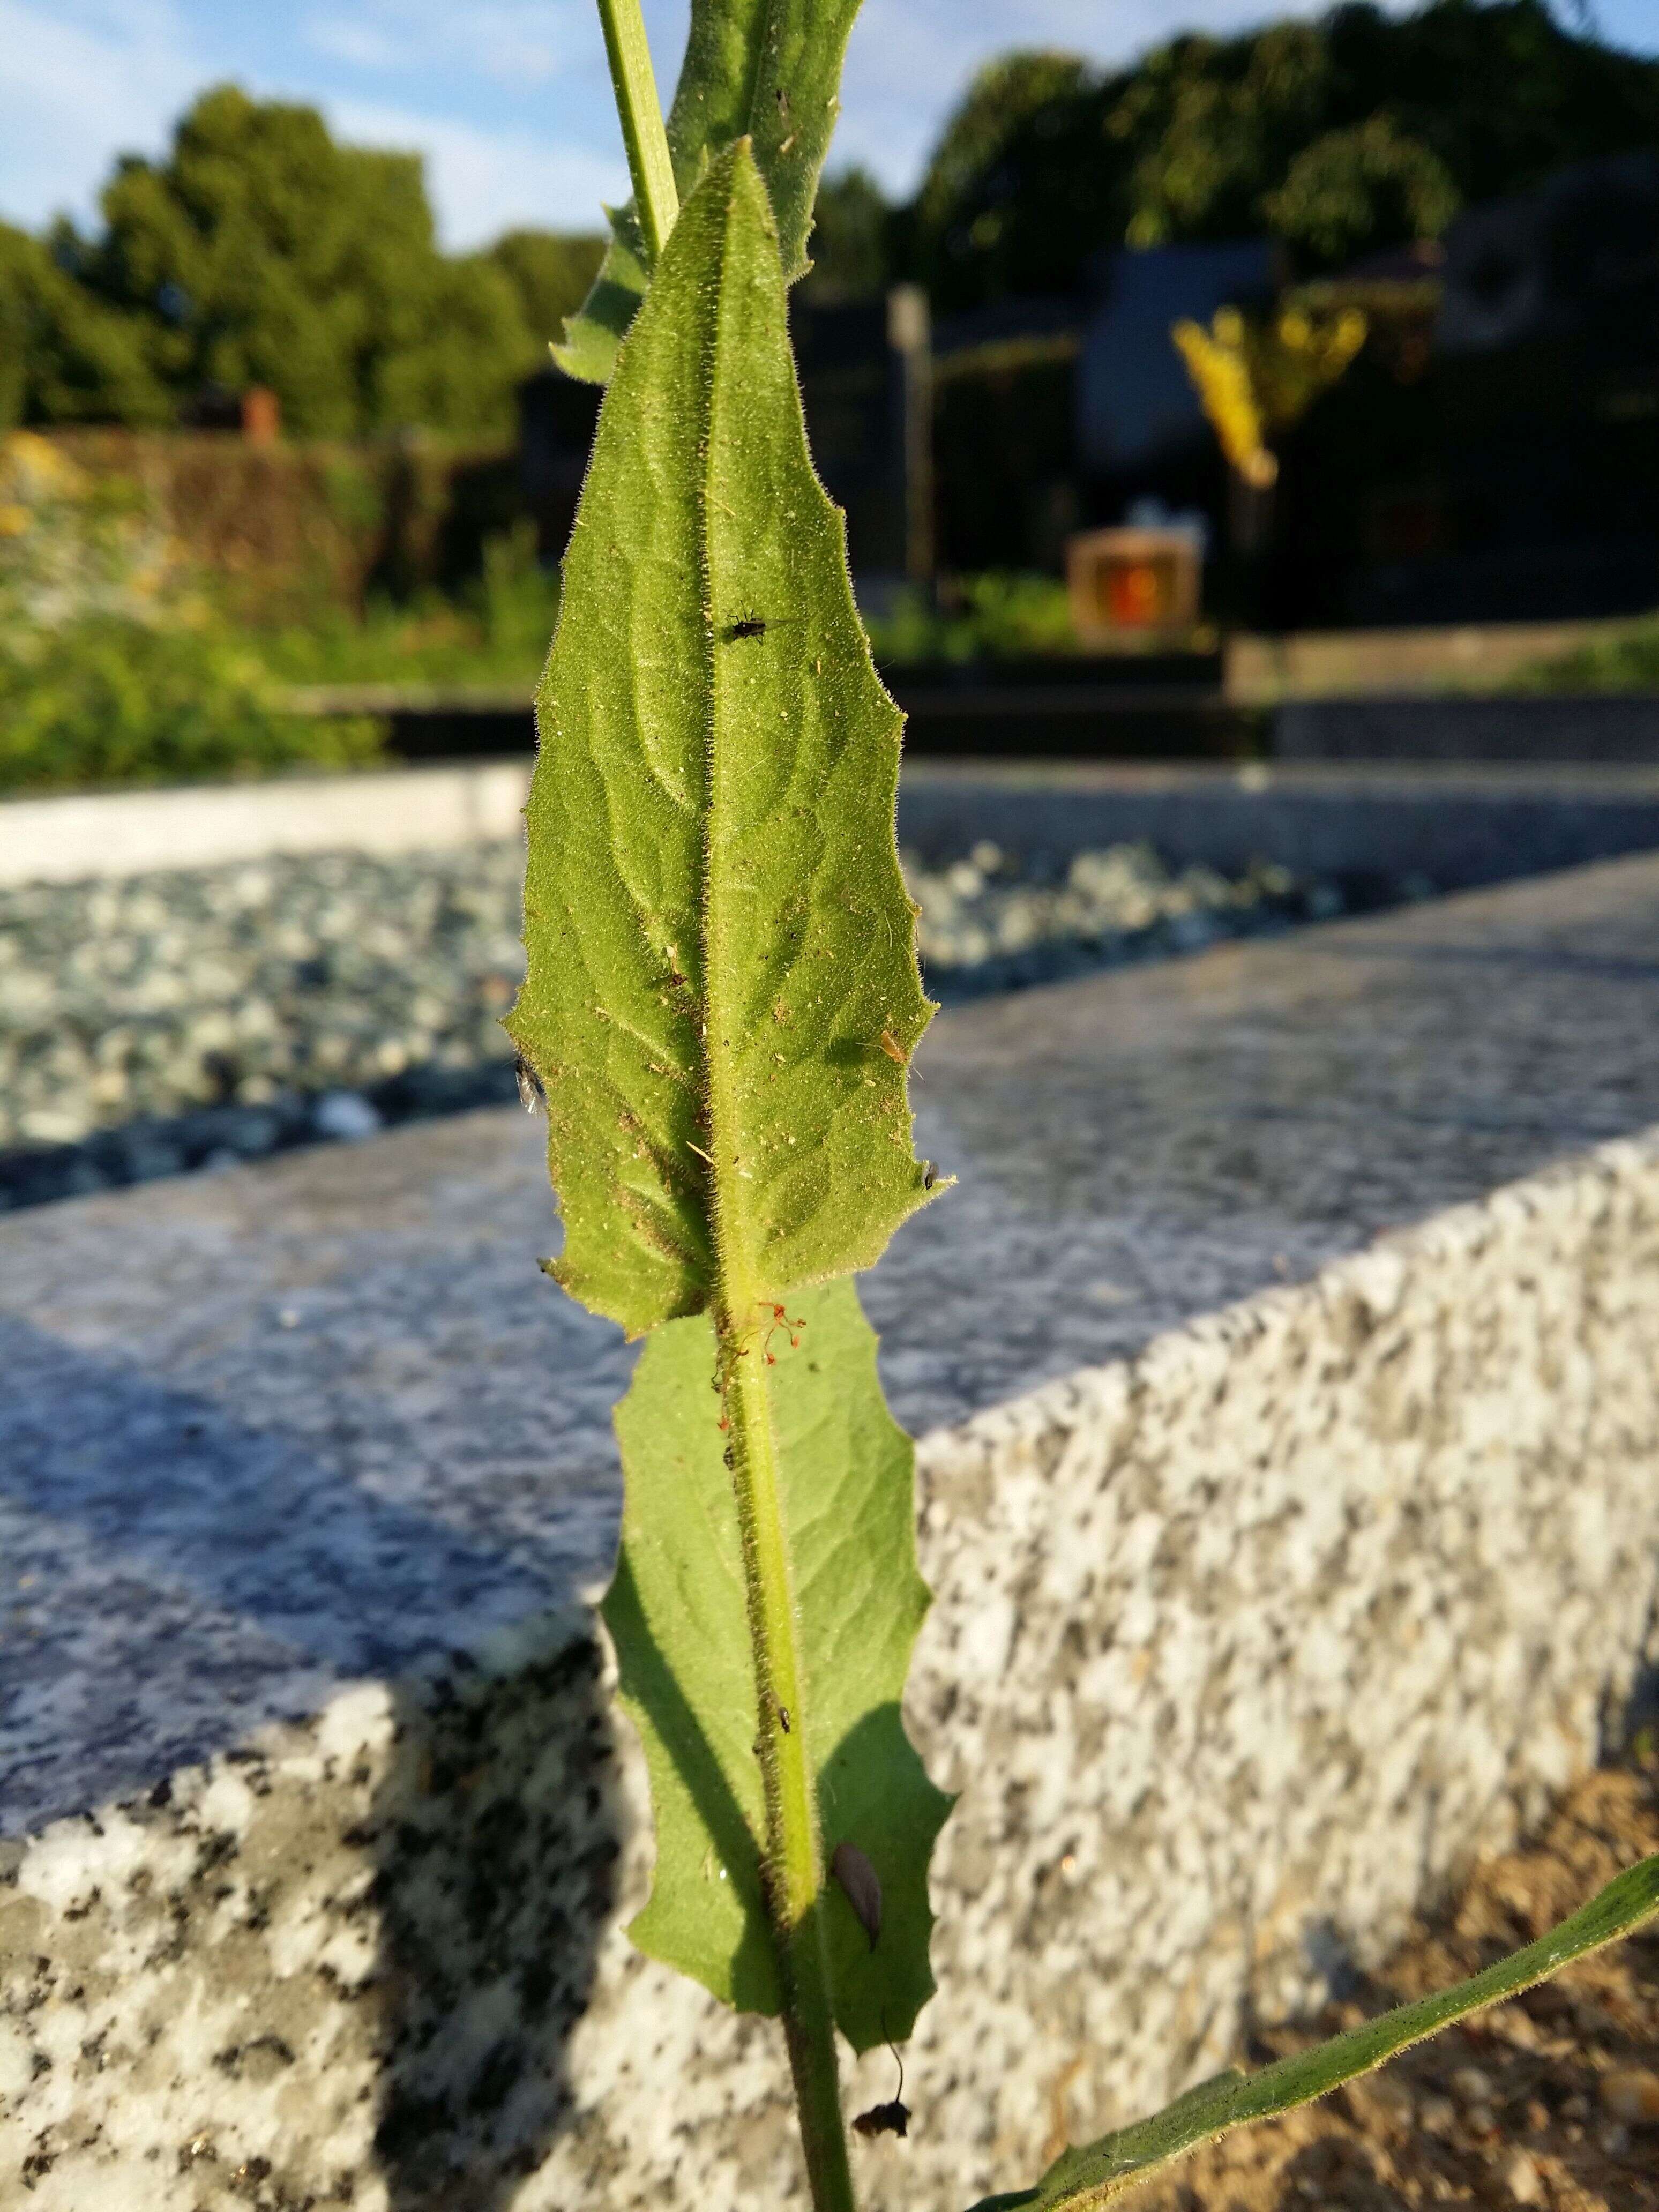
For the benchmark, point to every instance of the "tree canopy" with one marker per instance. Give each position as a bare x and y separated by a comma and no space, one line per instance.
260,250
1357,132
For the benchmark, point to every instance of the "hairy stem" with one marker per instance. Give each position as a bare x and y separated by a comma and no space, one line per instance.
655,198
794,1862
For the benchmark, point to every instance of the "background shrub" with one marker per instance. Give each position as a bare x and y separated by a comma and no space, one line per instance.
107,699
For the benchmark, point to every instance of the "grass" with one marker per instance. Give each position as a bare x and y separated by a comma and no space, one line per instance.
1628,662
494,631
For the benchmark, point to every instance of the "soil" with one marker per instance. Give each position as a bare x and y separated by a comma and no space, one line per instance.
1550,2101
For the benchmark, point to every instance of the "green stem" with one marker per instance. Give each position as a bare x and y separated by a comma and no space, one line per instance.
655,198
794,1859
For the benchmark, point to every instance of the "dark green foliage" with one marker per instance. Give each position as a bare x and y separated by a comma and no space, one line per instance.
1356,188
259,251
1344,136
1624,660
492,631
850,240
64,356
993,617
550,272
105,700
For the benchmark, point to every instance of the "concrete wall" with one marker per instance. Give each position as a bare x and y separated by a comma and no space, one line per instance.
1455,827
1538,727
127,833
1241,1649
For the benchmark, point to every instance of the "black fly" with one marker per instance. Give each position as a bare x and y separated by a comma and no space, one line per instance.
531,1093
750,626
892,2119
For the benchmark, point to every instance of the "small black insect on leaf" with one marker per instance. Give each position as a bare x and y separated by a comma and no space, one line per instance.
861,1884
750,626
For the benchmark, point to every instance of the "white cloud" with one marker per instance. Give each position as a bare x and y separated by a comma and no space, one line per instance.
79,84
517,42
483,182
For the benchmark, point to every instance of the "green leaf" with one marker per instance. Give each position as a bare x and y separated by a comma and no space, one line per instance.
722,990
767,71
1079,2180
593,335
675,1612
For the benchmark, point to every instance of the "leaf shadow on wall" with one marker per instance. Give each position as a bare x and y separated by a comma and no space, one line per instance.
187,1571
496,1834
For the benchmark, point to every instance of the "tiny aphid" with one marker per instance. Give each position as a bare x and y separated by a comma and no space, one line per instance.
531,1094
889,2119
750,626
783,1719
929,1174
894,1050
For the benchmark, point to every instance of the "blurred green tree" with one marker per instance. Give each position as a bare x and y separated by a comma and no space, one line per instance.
1360,131
1359,189
65,356
550,272
261,252
851,242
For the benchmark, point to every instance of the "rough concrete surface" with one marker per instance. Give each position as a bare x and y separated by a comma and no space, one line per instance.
1242,1646
1240,1650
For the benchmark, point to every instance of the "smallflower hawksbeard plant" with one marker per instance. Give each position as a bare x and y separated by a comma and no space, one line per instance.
720,1005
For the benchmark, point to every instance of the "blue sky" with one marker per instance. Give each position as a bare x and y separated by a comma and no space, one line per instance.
507,99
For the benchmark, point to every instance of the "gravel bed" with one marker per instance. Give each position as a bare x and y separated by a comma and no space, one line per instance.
185,1020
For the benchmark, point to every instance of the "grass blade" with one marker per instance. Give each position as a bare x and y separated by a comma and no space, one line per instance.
1082,2179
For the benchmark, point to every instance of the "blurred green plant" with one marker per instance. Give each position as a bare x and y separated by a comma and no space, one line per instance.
107,699
494,630
73,543
1628,661
1000,616
550,272
114,665
64,356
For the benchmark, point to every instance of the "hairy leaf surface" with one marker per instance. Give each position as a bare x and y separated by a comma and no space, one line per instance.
1081,2180
764,70
675,1612
722,991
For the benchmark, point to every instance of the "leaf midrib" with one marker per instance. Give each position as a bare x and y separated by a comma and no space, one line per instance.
733,1292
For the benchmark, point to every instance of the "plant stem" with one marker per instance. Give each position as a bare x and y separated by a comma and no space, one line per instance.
793,1862
655,198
